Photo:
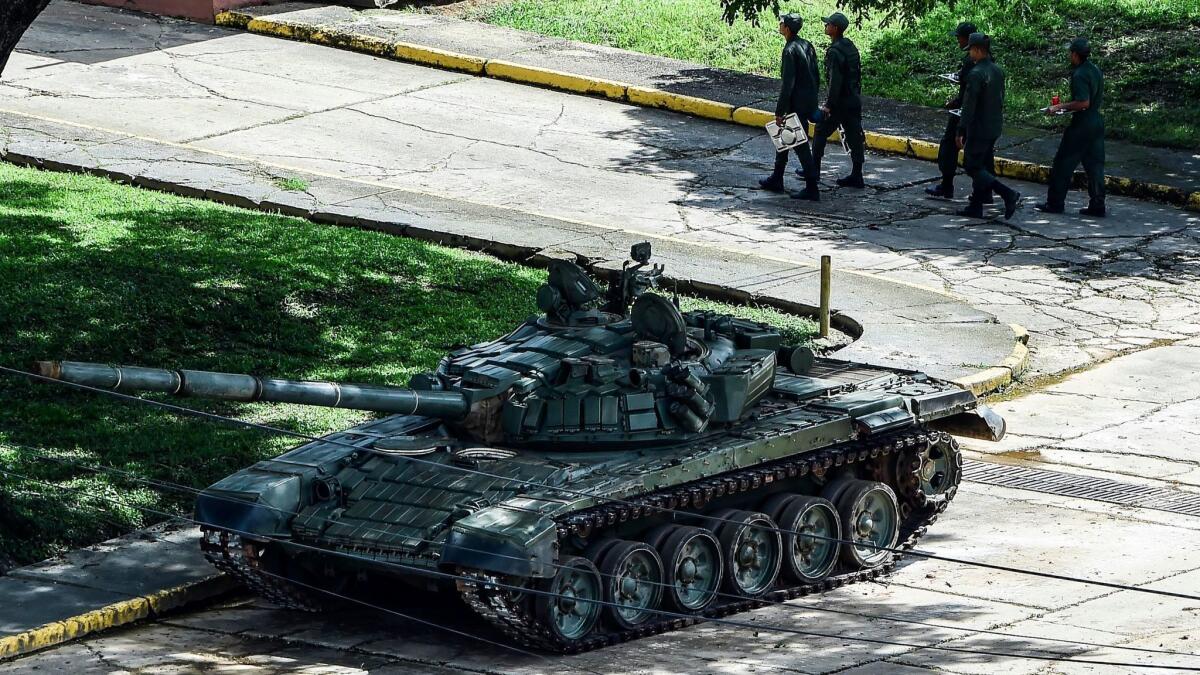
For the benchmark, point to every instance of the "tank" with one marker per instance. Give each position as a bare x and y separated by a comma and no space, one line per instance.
610,469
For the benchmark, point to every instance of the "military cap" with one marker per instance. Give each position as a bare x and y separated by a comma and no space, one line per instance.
979,40
837,19
964,30
793,21
1081,46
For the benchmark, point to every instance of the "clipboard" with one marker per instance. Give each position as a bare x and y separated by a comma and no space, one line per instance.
792,134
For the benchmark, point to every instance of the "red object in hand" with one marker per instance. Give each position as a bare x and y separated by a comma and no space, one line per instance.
1054,100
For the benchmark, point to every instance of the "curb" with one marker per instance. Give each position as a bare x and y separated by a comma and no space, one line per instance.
656,98
114,615
979,383
992,379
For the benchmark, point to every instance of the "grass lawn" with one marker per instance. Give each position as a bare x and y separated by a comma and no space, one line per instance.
96,271
1149,50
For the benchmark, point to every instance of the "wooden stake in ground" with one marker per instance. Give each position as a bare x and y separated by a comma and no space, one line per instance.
826,283
15,18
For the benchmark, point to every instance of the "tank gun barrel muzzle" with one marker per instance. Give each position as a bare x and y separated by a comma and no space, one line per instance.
238,387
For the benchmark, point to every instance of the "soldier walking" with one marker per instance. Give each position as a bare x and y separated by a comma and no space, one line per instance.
980,128
797,94
948,149
843,105
1083,140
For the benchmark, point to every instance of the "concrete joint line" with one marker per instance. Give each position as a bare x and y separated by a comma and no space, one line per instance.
117,614
984,381
651,97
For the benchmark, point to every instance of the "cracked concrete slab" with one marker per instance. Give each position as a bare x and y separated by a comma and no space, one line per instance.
1178,168
570,176
1088,289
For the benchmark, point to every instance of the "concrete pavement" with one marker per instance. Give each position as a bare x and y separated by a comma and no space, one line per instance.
1087,289
229,114
1165,174
127,579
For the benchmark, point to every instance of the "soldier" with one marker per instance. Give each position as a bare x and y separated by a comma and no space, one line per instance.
843,106
948,149
981,125
1083,140
797,94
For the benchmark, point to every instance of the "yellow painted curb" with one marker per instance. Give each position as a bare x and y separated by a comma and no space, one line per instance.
58,632
652,97
439,58
690,105
232,19
887,143
991,379
554,79
111,616
751,117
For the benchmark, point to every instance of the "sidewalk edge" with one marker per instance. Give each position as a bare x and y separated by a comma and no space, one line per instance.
979,383
991,379
653,98
111,616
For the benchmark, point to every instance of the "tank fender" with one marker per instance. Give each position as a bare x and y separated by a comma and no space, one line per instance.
982,422
253,501
503,540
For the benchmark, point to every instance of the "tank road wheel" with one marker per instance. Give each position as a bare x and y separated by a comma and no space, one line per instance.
633,583
570,606
808,559
870,519
692,566
751,546
935,469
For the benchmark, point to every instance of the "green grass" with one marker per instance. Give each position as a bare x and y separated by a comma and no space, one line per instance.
292,184
1149,50
91,270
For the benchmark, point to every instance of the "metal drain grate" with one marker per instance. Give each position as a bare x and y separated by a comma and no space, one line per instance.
1083,487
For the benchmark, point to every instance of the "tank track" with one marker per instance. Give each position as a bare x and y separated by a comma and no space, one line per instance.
491,596
228,553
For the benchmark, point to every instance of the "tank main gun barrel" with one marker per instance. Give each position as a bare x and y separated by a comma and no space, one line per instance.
237,387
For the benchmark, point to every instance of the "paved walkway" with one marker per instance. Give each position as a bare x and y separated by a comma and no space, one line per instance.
1086,289
1175,168
228,114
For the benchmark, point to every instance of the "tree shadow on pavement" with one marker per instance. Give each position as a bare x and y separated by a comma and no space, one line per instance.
716,166
69,33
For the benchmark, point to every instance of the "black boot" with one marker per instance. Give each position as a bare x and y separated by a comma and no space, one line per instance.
800,173
1012,198
810,193
1093,210
943,190
1047,208
771,183
973,210
854,180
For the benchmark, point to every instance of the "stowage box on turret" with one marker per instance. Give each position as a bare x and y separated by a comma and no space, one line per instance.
610,469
